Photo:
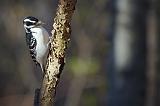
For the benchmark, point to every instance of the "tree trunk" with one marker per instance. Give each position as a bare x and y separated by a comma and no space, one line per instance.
157,11
60,37
127,58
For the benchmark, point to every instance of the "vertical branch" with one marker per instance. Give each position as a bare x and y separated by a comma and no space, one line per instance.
59,41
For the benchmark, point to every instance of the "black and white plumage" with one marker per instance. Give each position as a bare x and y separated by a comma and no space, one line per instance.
37,39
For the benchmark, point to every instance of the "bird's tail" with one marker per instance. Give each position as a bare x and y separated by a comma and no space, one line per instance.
42,68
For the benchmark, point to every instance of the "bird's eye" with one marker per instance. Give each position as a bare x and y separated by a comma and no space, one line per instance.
29,23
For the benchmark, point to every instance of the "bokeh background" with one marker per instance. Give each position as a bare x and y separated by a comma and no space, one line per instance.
112,58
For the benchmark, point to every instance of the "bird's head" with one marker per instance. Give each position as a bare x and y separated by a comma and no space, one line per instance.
31,22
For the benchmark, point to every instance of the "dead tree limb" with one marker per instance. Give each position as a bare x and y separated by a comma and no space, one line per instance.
60,37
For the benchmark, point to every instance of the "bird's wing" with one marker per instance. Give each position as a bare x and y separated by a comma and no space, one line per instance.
32,43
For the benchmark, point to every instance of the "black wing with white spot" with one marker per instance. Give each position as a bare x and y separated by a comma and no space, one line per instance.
32,43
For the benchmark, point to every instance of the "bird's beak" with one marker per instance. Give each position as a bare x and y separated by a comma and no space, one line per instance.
40,23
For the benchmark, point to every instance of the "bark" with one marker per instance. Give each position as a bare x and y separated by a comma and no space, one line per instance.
60,38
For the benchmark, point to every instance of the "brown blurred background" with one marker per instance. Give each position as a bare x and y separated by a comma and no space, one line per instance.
18,74
112,59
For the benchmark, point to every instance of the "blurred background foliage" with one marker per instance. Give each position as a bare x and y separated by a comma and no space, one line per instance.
83,81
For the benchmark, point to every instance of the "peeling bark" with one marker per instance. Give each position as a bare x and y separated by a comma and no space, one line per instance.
60,38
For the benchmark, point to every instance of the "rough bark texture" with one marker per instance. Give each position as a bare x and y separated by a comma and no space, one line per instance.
55,63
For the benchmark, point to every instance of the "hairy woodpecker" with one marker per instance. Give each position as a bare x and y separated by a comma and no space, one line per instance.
37,39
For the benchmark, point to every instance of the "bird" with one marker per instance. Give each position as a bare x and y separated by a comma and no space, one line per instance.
37,39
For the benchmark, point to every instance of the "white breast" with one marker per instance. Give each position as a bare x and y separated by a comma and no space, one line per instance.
42,38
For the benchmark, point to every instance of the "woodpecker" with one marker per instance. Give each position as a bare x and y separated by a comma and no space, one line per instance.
37,39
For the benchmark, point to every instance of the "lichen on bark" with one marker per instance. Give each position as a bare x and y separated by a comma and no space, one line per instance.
60,38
